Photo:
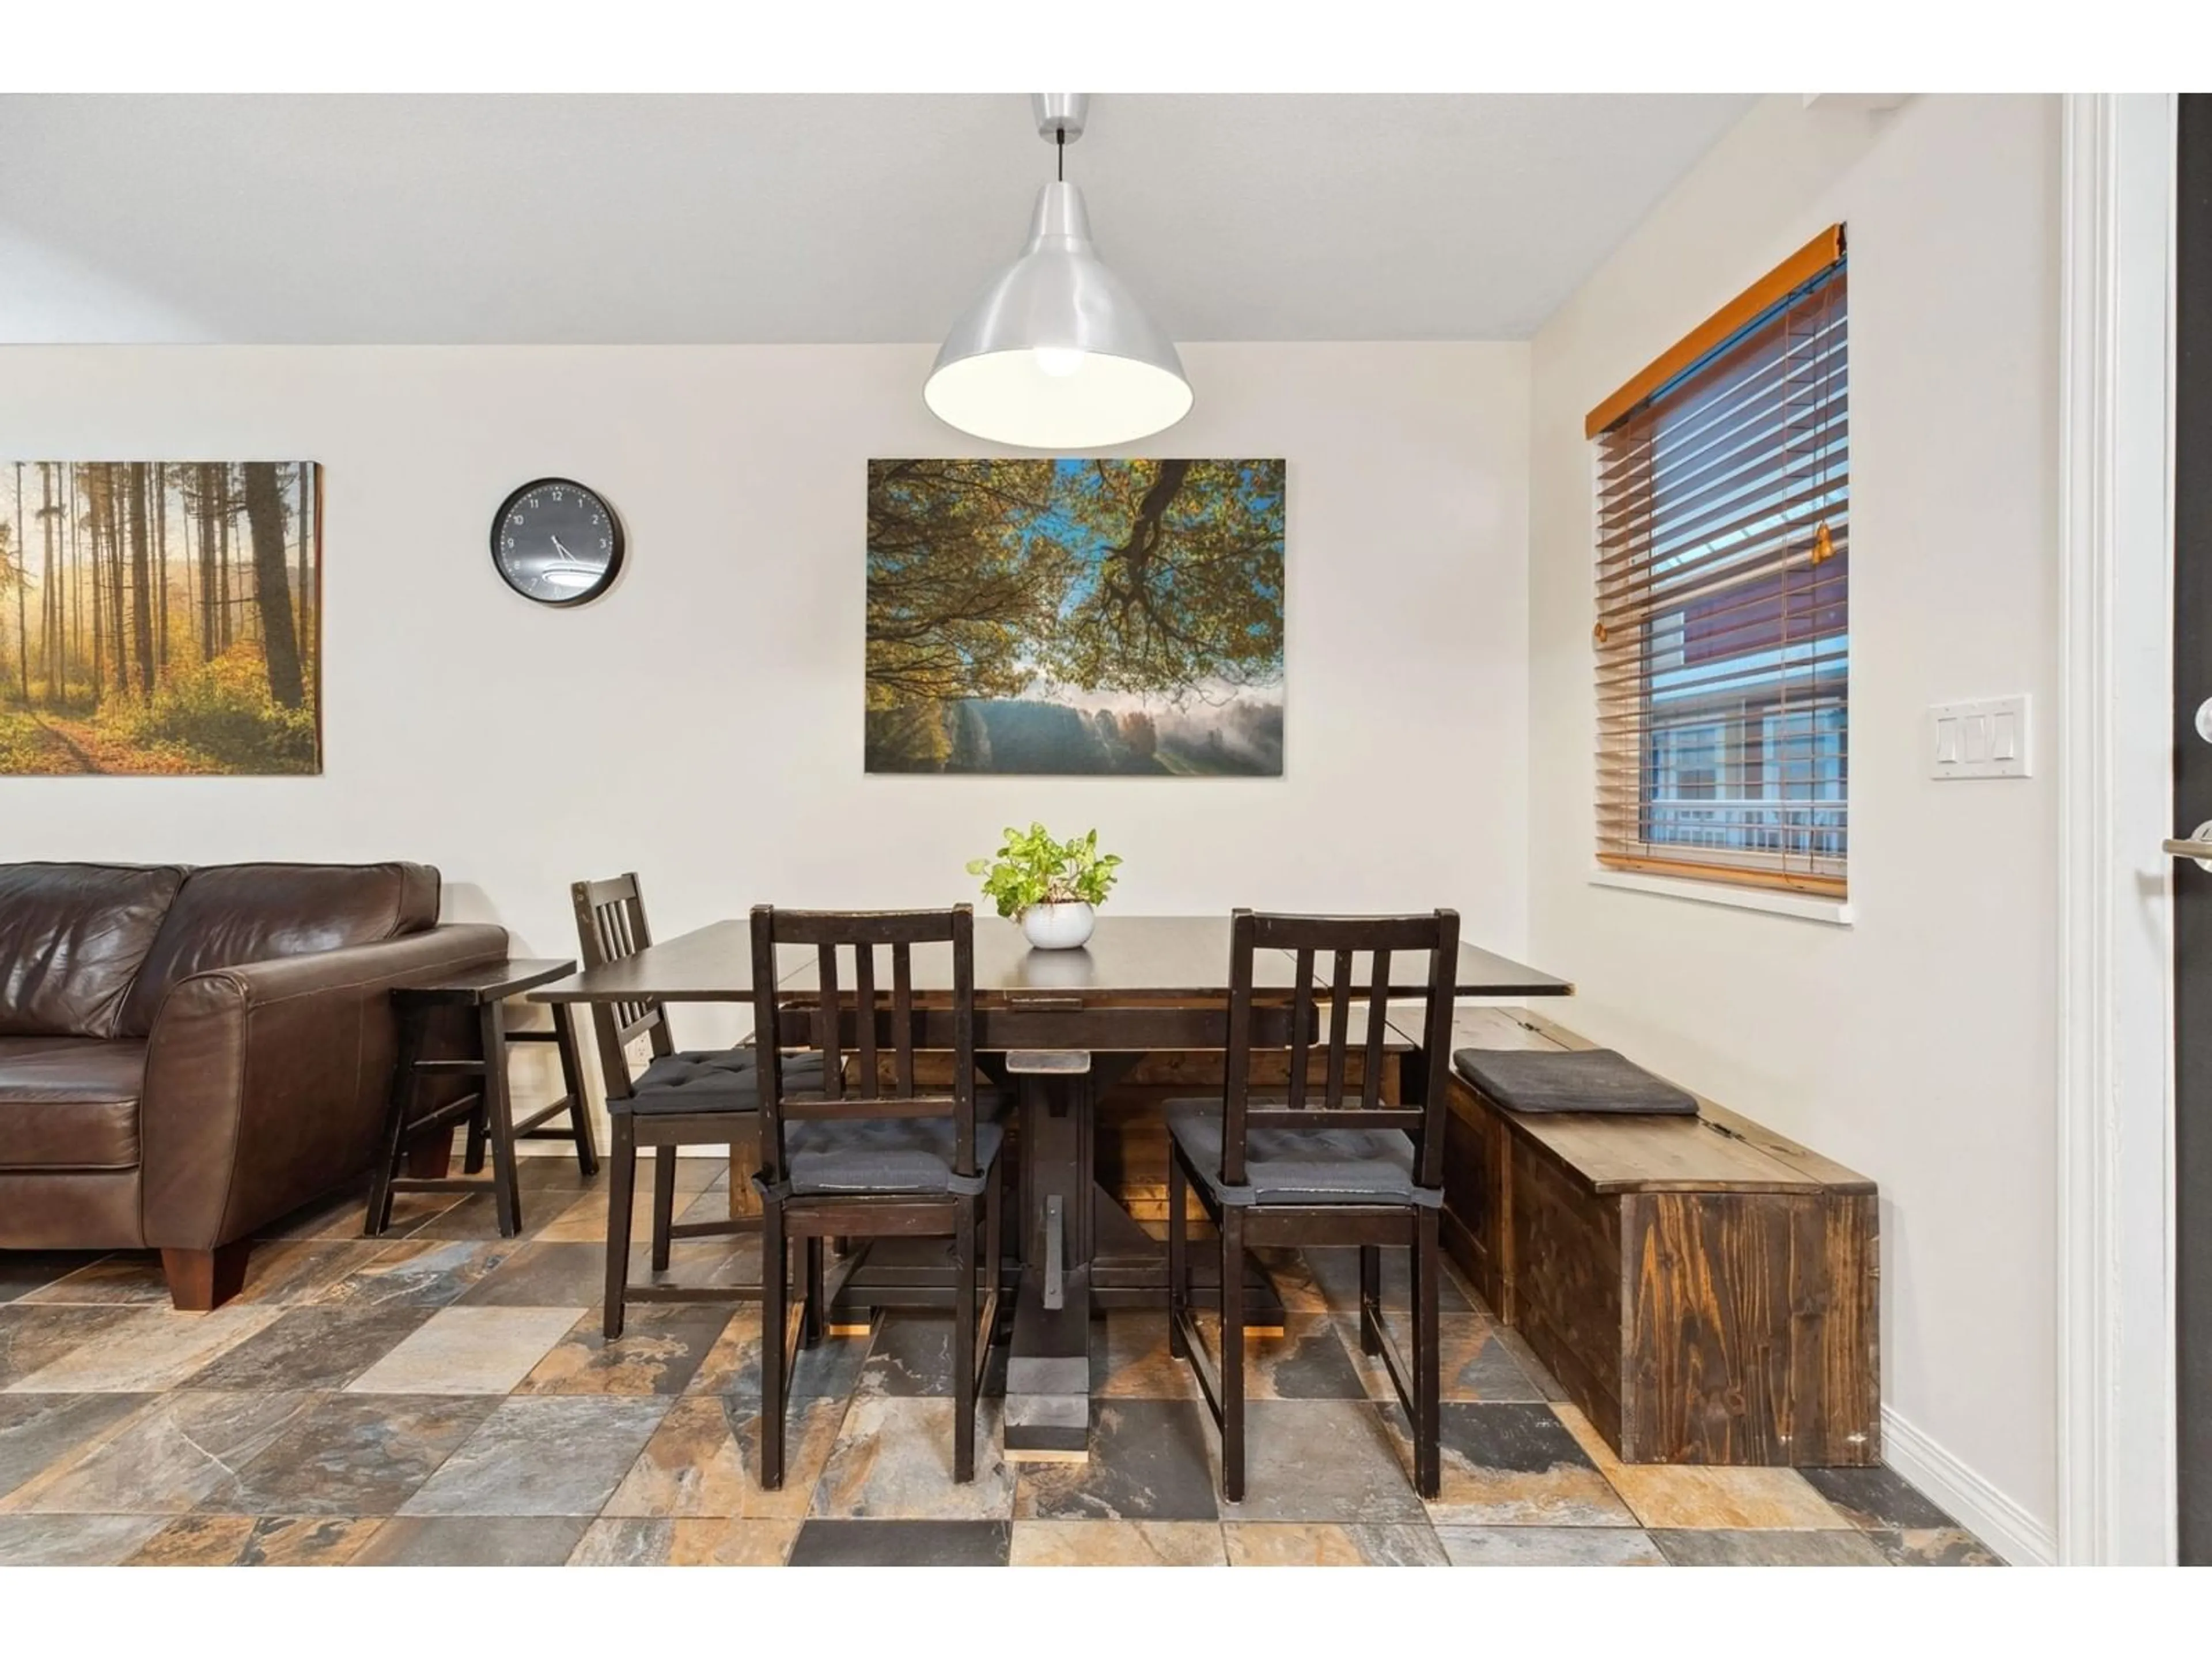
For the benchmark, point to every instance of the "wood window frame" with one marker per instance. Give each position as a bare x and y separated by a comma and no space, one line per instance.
1773,298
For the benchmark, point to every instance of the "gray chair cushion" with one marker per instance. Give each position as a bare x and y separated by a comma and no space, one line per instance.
884,1155
711,1080
1569,1080
1302,1166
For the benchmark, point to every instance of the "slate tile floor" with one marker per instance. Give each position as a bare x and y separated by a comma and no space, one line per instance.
443,1395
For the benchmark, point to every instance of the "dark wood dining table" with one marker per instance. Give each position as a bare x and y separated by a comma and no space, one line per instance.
1057,1028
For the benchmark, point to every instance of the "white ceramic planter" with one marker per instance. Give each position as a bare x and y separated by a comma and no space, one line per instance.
1059,926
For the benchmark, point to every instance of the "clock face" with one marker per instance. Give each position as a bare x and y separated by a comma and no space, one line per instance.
556,542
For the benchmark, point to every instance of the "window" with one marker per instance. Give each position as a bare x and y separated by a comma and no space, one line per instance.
1723,579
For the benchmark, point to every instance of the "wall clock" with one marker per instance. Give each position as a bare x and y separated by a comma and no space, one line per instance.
556,542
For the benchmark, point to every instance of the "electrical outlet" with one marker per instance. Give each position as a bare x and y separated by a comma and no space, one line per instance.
1984,739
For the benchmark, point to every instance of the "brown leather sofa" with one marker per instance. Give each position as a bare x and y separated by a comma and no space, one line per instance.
187,1054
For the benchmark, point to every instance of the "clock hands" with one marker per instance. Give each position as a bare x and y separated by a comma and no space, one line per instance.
570,559
572,570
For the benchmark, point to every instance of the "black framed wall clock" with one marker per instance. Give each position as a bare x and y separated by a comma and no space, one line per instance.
556,542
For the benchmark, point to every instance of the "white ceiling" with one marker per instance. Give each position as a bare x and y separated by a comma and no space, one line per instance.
602,219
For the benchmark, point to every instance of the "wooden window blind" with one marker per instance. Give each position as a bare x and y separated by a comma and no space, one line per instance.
1723,581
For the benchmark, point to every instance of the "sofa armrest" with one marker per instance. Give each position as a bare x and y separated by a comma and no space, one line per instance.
266,1081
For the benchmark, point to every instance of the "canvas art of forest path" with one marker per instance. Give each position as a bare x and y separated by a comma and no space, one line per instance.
159,617
1075,616
35,744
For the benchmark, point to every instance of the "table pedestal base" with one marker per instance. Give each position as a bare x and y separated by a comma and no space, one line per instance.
1048,1415
1080,1251
1049,1370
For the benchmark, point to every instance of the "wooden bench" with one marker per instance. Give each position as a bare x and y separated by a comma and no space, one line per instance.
1704,1289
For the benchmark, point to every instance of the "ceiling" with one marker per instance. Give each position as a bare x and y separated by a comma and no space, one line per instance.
618,219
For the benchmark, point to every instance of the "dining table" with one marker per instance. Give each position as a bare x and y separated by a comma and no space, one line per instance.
1057,1030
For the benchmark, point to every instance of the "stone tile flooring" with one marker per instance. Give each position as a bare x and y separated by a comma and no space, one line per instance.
441,1395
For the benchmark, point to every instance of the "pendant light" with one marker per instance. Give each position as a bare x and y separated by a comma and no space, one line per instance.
1055,353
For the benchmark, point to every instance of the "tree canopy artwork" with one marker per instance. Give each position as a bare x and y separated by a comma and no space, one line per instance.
1075,616
160,616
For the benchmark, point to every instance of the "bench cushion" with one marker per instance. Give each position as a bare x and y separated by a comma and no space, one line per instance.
1289,1166
69,1104
1569,1080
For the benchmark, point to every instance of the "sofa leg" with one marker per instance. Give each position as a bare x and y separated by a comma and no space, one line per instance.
200,1281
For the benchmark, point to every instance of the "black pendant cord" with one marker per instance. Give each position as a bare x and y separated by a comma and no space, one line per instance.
1059,154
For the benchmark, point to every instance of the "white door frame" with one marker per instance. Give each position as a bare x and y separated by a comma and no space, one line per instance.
2117,1362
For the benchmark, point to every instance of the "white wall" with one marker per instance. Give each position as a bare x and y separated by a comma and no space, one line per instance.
702,724
1916,1044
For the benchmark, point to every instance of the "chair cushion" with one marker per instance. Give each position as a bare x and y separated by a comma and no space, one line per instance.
884,1155
711,1080
1291,1165
69,1104
227,914
1569,1080
73,938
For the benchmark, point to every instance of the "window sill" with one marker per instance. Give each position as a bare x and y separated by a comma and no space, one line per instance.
1836,913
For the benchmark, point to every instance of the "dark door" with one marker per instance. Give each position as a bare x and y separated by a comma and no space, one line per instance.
2192,799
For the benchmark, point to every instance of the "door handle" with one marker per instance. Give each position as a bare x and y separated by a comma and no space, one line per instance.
2197,845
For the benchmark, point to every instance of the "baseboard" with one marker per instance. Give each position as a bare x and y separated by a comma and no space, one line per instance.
1992,1516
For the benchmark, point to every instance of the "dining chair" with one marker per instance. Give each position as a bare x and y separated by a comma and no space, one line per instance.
1313,1169
700,1097
884,1159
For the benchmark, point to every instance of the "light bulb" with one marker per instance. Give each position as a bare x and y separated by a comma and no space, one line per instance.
1059,361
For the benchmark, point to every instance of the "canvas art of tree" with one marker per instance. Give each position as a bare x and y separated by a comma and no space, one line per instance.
160,618
1120,617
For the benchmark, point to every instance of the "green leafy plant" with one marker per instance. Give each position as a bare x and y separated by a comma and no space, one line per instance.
1032,868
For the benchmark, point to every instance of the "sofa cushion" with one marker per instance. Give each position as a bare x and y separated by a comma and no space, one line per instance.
73,938
69,1102
227,914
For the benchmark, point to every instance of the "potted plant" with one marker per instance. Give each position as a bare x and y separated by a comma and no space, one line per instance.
1054,886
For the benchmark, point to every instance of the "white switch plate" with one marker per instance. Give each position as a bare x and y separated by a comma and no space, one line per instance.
1985,739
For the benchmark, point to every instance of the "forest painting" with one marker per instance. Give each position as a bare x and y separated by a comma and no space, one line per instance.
1076,616
160,618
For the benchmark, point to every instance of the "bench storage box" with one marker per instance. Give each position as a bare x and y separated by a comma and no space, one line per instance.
1706,1291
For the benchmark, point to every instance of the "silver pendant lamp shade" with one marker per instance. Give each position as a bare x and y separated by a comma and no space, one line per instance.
1056,353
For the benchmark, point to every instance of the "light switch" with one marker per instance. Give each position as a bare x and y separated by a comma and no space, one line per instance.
1984,739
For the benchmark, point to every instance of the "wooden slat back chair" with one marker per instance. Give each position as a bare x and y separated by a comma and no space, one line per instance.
610,926
1326,1166
874,1158
699,1099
